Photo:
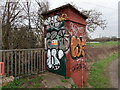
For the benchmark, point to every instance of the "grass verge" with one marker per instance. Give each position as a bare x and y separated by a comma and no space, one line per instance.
27,82
97,76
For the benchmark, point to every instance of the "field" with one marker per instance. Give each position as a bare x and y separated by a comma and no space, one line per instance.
98,51
102,44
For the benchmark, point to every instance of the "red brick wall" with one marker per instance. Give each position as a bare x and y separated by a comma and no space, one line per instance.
75,59
74,16
76,66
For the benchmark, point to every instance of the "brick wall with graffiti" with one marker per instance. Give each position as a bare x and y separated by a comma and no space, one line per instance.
57,43
76,57
65,43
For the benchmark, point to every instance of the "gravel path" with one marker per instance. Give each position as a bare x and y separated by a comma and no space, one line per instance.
113,73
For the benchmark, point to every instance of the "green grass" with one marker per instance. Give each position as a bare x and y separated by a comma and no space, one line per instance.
97,76
65,81
110,43
58,87
25,82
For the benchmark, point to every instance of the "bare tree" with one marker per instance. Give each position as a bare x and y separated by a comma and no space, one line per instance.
35,19
43,7
8,17
26,6
0,27
94,20
22,22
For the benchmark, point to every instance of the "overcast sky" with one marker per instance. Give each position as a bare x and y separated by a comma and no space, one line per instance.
109,8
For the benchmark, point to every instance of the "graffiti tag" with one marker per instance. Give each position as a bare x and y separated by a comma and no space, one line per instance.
62,17
52,59
57,40
79,67
76,29
77,46
54,22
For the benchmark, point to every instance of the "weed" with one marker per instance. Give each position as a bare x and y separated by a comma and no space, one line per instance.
58,87
25,82
97,77
73,86
65,81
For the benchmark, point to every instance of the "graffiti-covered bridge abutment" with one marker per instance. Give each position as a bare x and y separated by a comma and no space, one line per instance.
65,42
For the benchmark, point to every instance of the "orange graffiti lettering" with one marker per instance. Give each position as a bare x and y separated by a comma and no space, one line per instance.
77,47
62,17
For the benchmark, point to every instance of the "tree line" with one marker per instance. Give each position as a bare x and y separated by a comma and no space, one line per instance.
103,39
22,23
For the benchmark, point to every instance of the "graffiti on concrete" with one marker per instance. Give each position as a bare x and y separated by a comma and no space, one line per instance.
77,47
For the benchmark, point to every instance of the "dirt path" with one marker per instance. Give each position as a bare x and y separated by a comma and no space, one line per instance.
113,73
51,80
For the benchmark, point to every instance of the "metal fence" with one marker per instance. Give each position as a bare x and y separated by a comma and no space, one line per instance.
23,61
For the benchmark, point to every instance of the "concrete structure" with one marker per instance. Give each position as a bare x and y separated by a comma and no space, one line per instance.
65,41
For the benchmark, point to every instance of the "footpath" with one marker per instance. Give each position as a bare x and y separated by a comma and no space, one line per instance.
113,73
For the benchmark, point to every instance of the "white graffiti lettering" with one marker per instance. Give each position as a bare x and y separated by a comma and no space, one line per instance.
57,41
52,60
77,29
52,22
60,54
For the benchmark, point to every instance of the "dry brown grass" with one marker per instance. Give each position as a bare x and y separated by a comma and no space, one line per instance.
97,53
